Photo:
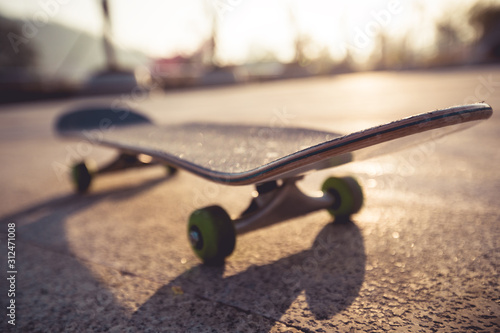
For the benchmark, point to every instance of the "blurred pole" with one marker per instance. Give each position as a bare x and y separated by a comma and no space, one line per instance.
213,40
111,62
210,47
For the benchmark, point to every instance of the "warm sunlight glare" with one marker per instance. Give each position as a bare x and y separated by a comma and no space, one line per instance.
258,30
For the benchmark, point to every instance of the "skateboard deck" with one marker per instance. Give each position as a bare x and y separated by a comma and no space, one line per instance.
272,158
245,154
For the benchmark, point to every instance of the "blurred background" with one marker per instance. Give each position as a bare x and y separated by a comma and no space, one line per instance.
63,48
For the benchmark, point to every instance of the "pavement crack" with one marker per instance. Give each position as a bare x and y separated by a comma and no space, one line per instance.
251,313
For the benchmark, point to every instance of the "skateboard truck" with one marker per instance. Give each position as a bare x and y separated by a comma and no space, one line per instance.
83,173
276,203
212,233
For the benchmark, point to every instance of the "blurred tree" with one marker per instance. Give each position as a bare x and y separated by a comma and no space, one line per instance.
450,46
16,51
485,18
19,78
301,40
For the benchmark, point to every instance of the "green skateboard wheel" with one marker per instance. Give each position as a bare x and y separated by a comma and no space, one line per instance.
211,234
347,193
81,177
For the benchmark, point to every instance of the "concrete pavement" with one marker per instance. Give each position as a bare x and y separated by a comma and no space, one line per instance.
422,255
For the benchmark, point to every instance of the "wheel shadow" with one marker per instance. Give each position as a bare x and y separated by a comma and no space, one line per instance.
314,284
59,293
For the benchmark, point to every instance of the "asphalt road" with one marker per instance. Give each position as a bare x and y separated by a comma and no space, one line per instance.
422,255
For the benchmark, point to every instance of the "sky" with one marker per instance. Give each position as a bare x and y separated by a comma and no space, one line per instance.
247,30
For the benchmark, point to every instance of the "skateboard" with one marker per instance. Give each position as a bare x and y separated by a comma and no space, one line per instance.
271,158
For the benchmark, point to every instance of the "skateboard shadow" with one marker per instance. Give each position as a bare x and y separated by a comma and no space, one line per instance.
322,280
316,283
45,220
54,285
